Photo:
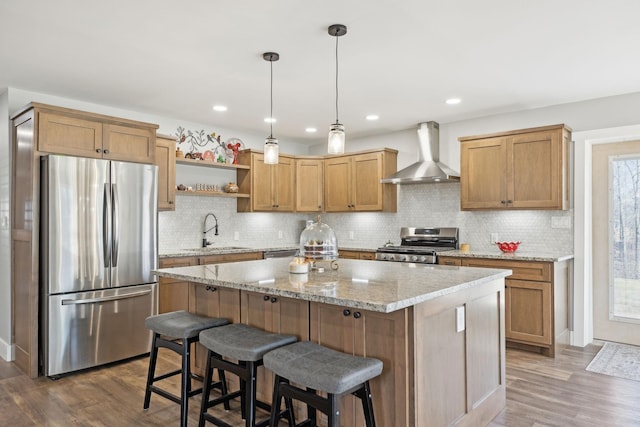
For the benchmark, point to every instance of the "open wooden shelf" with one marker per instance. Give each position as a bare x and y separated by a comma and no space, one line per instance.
212,194
208,164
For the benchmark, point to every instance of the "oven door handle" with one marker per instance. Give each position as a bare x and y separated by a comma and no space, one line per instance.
104,299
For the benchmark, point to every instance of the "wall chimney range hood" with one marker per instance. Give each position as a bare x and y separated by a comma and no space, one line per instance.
428,168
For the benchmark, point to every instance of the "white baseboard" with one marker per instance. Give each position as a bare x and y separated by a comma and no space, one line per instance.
6,351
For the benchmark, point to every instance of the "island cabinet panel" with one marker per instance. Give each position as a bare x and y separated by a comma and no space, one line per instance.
279,315
385,336
173,294
459,362
212,301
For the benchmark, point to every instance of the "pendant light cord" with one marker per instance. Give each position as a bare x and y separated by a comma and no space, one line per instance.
271,113
337,79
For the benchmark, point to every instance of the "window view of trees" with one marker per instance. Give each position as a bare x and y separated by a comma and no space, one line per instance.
625,220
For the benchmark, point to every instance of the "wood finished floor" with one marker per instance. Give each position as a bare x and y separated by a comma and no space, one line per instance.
540,392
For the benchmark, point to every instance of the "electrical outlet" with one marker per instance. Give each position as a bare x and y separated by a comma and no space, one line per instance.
236,235
280,234
351,235
494,237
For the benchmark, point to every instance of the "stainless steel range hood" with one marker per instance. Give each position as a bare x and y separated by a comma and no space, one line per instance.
428,168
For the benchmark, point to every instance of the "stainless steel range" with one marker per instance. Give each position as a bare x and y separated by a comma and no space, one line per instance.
420,245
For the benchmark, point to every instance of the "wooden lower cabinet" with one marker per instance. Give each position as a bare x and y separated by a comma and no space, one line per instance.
173,294
536,301
356,254
212,301
166,162
280,315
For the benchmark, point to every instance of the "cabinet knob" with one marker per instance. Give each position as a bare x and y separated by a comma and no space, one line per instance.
211,288
346,312
266,297
509,201
357,315
106,151
98,150
170,202
274,299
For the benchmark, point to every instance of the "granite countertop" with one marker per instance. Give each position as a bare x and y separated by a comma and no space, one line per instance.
369,285
516,256
221,250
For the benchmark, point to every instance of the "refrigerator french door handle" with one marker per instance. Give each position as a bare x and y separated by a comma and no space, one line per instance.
115,235
106,225
103,299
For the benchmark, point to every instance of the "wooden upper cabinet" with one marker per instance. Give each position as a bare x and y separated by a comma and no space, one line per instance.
309,185
352,182
271,186
523,169
166,162
78,133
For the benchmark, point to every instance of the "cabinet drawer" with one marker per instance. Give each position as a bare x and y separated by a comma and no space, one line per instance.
214,259
523,270
449,261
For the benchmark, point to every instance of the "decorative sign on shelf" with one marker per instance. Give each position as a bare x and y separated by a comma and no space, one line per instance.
199,145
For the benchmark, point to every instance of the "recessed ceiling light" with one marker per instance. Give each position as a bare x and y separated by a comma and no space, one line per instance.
453,101
311,130
372,117
270,120
219,108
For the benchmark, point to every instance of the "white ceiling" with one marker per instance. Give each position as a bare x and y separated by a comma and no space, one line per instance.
400,59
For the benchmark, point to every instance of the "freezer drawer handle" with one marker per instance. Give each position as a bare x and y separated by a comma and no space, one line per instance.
103,299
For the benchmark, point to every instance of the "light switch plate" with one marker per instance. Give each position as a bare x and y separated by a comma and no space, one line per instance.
460,320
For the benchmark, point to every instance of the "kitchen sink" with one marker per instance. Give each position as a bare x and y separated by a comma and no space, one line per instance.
215,248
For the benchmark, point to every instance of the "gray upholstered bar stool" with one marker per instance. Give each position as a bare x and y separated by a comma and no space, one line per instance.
318,368
246,345
176,331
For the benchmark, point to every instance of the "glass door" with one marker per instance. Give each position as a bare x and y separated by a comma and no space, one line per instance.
616,242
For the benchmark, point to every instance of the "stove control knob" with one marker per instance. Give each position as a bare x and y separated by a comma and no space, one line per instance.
423,259
381,257
404,258
392,257
414,258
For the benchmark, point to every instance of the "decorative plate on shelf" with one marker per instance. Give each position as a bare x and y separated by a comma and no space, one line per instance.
208,155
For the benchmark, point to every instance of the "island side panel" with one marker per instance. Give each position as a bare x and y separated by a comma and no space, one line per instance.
459,375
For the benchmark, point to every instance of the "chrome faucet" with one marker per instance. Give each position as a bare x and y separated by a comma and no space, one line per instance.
205,242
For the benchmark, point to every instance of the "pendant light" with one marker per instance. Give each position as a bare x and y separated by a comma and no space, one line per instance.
271,143
336,130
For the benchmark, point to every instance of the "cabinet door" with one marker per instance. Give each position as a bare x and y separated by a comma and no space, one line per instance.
261,184
274,314
69,135
366,176
534,170
166,162
380,335
528,311
482,174
173,294
309,185
128,143
283,184
211,301
337,184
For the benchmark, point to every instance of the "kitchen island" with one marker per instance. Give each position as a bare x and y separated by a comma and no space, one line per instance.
439,330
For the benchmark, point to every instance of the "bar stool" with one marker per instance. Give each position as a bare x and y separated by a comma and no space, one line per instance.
318,368
176,331
247,345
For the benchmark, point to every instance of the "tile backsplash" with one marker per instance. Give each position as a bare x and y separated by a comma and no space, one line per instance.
420,205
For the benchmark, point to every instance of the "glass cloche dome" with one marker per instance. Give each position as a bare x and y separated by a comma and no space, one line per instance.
318,242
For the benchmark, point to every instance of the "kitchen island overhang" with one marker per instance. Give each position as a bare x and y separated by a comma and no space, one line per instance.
367,285
439,330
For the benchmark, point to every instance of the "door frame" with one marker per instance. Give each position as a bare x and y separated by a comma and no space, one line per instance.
581,322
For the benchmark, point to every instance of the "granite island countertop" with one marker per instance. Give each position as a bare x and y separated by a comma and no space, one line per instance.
368,285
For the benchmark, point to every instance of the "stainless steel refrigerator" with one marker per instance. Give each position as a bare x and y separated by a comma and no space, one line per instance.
98,246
